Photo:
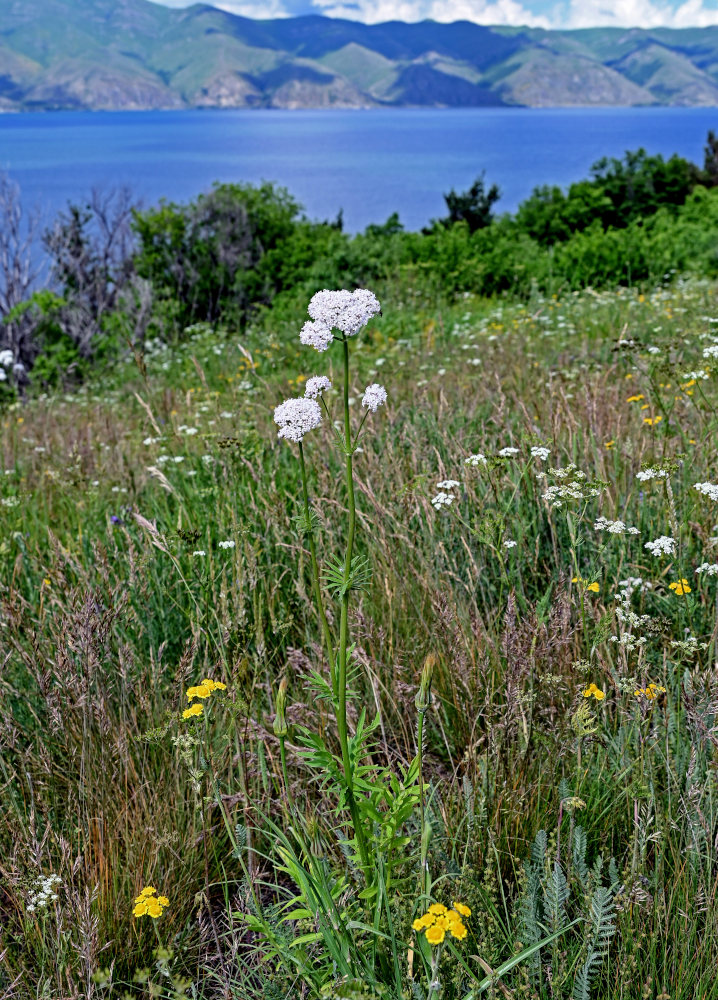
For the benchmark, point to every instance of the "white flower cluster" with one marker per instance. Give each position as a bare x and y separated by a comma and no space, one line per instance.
510,543
710,569
614,527
374,397
316,386
448,484
226,545
474,460
341,310
295,417
44,891
711,352
632,584
663,546
707,489
690,645
645,474
539,452
574,490
700,374
508,452
199,552
443,500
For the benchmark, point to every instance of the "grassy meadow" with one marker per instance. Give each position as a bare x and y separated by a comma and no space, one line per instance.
564,677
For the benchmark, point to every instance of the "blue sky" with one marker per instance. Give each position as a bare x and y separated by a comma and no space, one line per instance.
538,13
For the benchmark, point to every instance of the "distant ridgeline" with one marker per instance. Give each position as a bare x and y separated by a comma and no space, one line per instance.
121,276
133,54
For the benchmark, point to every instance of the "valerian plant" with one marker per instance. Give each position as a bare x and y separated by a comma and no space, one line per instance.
344,928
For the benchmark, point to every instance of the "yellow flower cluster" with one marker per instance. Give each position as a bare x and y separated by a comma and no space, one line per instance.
680,586
594,587
651,692
437,922
148,903
594,692
203,690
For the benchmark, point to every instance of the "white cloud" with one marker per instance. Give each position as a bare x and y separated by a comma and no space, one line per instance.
637,14
508,12
565,14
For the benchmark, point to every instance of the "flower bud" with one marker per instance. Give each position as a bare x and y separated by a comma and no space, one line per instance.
280,719
423,698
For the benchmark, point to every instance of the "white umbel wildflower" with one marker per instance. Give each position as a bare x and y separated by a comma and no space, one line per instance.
645,474
700,374
663,546
448,484
295,417
474,460
316,335
539,452
316,386
508,452
711,352
374,397
510,543
199,552
614,527
229,544
345,311
710,569
442,500
7,358
707,489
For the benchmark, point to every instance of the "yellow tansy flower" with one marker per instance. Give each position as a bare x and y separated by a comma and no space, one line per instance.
140,909
680,587
592,691
195,709
635,399
435,935
594,587
163,900
652,420
462,908
437,908
154,909
148,891
458,930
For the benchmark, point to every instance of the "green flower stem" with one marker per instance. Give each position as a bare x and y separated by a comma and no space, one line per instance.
343,626
328,640
424,878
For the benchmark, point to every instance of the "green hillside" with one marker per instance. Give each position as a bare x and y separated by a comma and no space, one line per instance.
113,54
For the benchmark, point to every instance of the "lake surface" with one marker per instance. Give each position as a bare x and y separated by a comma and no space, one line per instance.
368,163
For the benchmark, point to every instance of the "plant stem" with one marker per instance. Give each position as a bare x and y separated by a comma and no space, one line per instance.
343,626
328,641
424,874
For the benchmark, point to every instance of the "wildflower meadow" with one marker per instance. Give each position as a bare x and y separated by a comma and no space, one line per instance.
369,653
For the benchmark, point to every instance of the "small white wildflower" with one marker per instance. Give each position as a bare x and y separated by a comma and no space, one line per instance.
295,417
191,430
711,352
347,311
448,484
542,453
150,441
710,569
227,545
442,500
199,552
316,335
226,415
653,350
7,358
474,460
316,386
645,474
510,543
374,397
508,452
700,374
614,527
707,489
665,545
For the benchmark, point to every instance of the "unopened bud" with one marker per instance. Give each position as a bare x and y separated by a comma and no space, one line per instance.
280,719
423,698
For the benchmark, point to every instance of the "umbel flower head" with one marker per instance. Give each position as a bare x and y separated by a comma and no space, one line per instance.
438,921
374,397
345,311
149,904
295,417
316,386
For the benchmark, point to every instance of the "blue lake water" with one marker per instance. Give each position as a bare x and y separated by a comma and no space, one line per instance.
368,163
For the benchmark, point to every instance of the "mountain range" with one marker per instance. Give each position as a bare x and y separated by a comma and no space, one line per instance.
134,54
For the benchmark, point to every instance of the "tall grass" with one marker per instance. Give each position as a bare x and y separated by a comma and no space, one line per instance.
107,618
